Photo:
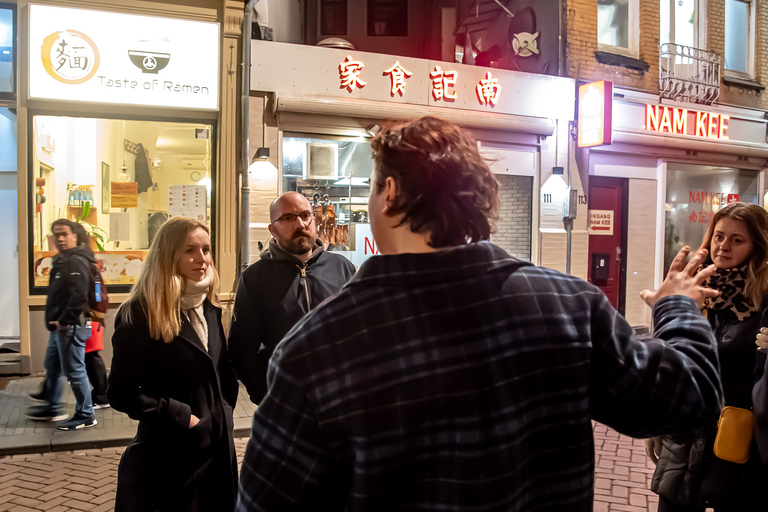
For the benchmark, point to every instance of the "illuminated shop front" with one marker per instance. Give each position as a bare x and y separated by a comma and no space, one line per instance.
318,114
671,166
123,125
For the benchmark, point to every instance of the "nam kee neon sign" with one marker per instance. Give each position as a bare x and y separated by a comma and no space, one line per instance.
681,121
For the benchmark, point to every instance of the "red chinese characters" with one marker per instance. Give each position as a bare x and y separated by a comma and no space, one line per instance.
441,81
349,72
488,90
397,75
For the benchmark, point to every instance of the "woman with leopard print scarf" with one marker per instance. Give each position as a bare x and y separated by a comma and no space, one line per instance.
689,477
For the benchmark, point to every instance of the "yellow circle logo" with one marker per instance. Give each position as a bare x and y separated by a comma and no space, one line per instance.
70,57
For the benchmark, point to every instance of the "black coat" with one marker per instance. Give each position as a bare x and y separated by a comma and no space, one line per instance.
273,295
169,466
688,472
68,287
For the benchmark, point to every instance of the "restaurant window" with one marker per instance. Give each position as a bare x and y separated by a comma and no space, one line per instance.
333,17
388,18
121,179
617,26
333,174
694,194
7,51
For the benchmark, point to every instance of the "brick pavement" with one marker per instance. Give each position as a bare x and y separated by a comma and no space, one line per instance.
86,479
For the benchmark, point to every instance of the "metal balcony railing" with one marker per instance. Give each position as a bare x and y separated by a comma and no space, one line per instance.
689,74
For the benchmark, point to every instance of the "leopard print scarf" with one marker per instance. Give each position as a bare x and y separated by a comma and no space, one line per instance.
731,283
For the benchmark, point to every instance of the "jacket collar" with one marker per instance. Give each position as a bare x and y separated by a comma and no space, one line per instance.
443,265
275,253
188,334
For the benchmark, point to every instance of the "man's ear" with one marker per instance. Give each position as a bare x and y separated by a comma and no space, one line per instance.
390,194
271,229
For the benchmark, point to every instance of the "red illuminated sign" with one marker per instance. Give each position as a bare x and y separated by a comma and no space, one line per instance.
681,121
595,123
441,81
488,90
397,74
349,72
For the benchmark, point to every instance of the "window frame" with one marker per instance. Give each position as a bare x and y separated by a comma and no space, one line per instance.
751,31
11,95
699,22
633,38
35,290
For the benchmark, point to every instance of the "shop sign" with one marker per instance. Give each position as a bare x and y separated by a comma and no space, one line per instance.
595,123
124,195
106,57
713,200
329,72
600,222
682,121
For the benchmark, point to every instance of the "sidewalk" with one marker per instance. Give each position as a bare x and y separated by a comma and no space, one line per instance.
19,434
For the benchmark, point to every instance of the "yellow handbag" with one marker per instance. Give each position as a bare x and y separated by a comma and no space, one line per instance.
734,434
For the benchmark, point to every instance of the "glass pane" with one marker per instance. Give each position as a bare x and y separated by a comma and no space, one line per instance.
333,174
736,35
6,51
684,22
665,33
694,194
333,17
613,22
121,179
388,18
9,256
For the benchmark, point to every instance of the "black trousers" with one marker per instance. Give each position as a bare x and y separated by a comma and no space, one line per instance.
97,375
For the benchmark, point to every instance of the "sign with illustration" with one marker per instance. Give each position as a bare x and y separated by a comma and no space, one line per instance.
188,201
119,267
106,57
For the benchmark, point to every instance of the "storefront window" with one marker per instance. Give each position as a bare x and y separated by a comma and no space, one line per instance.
694,194
7,52
121,179
333,174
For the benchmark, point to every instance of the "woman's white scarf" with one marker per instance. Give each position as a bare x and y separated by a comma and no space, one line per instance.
192,304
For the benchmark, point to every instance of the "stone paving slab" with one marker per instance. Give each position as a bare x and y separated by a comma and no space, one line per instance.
19,434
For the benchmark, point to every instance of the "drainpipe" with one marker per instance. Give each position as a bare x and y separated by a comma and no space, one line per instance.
245,191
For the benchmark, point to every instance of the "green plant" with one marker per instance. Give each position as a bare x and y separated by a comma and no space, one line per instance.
99,236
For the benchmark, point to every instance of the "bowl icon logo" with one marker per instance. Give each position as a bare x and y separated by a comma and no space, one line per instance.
69,56
149,62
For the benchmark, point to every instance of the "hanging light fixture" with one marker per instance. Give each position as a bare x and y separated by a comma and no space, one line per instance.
261,168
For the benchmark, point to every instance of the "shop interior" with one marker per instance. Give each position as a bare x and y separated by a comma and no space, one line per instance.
121,179
333,173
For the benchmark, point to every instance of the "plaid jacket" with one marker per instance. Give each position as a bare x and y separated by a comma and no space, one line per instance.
466,380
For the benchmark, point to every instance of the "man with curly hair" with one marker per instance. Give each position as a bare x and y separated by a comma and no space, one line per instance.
448,375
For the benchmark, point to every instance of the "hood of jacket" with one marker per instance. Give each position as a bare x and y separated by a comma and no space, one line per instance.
82,251
275,253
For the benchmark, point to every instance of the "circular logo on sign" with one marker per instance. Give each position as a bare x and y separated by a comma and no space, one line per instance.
150,63
70,57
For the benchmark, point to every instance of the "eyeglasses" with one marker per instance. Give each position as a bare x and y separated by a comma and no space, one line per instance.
290,218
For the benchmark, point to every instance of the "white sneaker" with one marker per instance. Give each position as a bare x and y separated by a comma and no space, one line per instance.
101,406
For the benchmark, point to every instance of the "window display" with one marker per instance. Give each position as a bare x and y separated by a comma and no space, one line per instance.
333,174
694,194
120,179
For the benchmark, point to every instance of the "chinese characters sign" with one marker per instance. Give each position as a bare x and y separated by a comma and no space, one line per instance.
681,121
443,82
710,202
70,57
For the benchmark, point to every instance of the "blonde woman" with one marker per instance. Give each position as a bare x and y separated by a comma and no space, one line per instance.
689,477
171,371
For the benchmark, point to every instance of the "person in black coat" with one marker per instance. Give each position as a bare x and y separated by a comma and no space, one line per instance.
171,371
688,476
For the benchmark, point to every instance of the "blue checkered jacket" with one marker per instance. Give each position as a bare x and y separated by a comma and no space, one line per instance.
466,380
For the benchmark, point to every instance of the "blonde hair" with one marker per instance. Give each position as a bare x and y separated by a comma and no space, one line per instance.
755,219
159,288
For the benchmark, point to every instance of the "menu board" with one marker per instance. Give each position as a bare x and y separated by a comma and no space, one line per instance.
188,201
118,267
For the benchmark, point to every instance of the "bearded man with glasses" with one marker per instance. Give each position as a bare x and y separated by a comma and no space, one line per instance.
292,276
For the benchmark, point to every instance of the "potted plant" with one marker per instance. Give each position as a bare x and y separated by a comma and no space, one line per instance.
99,237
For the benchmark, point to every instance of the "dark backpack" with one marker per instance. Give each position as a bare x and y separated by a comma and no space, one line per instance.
98,298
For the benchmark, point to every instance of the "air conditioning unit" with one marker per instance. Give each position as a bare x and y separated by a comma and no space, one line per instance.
194,163
322,161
